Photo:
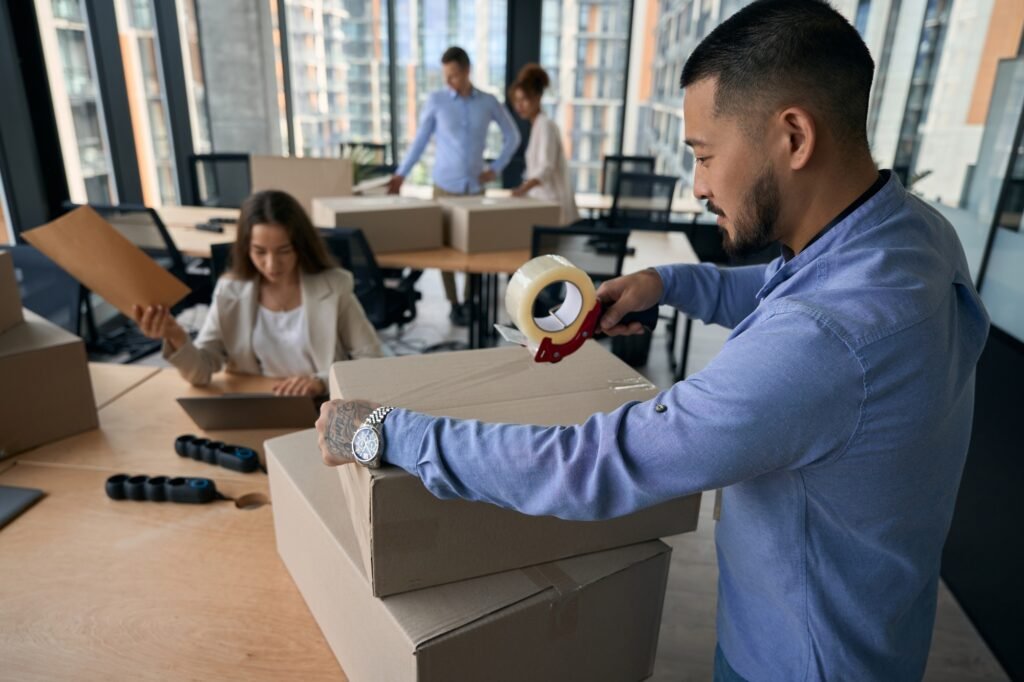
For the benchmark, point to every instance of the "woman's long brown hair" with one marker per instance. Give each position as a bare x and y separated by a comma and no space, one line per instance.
274,207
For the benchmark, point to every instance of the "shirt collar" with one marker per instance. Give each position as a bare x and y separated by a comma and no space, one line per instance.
454,93
879,200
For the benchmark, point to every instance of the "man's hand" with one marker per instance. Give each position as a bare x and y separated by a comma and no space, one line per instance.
339,420
487,176
300,385
628,294
395,183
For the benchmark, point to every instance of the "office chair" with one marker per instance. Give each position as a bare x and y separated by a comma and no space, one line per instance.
642,201
614,164
384,305
220,180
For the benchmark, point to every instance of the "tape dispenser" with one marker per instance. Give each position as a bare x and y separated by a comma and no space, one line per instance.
564,327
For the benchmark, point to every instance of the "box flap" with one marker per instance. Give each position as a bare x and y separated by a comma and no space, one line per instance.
10,297
432,612
444,381
34,334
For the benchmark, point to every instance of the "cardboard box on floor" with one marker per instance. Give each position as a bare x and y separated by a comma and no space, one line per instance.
410,539
594,617
47,392
303,177
390,223
475,224
10,298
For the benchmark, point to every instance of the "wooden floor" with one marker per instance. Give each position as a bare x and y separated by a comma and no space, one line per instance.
687,642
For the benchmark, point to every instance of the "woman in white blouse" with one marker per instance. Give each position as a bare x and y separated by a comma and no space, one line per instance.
547,172
285,310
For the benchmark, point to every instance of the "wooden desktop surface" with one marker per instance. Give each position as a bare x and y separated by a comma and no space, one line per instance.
101,589
110,381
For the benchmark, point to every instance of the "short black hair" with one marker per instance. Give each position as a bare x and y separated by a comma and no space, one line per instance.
777,53
457,55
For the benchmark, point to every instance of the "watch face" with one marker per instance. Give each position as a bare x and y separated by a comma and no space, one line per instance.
366,444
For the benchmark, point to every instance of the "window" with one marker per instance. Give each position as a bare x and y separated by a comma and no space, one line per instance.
590,114
77,109
195,82
338,52
146,101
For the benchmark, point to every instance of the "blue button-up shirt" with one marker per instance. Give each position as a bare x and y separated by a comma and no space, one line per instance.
837,418
460,125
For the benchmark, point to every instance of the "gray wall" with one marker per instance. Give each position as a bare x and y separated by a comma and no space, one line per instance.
241,86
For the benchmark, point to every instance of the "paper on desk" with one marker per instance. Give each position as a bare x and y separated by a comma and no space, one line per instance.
102,259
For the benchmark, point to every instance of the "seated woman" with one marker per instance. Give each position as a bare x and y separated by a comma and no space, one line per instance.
284,310
547,171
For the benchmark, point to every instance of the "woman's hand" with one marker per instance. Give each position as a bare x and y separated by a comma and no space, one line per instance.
156,322
523,189
300,385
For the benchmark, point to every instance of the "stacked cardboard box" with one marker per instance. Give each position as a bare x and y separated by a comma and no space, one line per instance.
409,587
475,224
45,389
390,223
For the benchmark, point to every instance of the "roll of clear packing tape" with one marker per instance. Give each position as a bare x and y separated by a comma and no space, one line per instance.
561,324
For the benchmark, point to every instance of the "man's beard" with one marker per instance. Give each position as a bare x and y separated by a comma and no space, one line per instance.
753,227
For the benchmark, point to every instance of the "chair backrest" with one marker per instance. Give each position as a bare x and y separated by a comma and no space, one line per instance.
613,164
598,252
221,180
143,227
46,289
220,260
642,201
349,247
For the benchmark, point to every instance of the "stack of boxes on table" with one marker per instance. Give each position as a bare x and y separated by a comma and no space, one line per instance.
406,586
45,389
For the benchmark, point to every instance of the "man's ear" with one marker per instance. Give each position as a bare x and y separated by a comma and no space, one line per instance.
801,135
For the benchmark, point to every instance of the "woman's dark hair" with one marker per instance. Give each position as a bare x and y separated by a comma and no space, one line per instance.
532,80
777,53
274,207
457,55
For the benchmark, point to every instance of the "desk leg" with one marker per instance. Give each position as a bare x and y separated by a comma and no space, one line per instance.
475,310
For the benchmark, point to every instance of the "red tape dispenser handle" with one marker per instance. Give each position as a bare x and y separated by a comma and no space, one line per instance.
552,352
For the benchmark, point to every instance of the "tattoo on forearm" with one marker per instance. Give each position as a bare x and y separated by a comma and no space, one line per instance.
342,427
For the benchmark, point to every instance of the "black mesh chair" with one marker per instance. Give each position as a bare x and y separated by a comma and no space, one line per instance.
46,289
220,180
384,305
642,201
614,164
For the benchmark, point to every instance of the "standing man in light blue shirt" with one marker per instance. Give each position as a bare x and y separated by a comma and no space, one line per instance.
838,414
459,117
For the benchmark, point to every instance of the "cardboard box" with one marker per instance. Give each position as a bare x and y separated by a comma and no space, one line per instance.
47,393
303,177
410,539
10,297
594,617
390,223
475,224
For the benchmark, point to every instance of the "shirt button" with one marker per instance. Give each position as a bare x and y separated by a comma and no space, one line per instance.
659,408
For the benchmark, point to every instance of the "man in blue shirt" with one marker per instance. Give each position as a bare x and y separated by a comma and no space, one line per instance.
837,415
459,117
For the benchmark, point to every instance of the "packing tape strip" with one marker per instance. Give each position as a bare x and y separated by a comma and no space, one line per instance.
565,611
525,286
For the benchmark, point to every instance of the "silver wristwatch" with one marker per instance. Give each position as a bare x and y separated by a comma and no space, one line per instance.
368,443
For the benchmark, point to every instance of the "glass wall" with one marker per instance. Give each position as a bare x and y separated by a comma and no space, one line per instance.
67,50
195,80
584,47
338,51
147,103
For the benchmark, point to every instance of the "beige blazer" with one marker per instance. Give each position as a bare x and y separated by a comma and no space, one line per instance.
338,328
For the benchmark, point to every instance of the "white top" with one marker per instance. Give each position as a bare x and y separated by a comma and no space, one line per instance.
280,342
545,161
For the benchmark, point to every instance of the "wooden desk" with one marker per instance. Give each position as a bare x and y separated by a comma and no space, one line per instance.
137,430
98,589
450,260
110,381
181,223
